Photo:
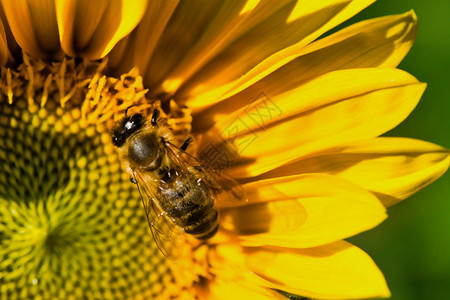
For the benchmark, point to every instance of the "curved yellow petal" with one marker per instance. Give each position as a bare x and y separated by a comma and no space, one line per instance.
283,103
4,52
137,49
366,44
289,28
264,138
269,218
33,24
210,30
253,38
393,168
373,43
13,47
92,28
222,31
131,12
379,42
312,215
43,16
334,271
227,289
356,118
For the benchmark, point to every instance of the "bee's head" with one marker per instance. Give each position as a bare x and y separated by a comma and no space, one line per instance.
126,127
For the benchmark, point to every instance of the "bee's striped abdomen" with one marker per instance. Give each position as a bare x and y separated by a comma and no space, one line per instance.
190,205
206,227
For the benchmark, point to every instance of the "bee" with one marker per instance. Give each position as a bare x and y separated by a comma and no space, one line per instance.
177,192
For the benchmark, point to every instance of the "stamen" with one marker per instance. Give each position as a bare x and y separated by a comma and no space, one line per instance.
30,87
45,91
60,81
9,86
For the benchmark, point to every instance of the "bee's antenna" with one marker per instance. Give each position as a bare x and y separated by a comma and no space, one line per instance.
126,109
155,117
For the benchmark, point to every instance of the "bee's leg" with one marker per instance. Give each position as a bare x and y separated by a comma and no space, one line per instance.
186,143
155,117
133,180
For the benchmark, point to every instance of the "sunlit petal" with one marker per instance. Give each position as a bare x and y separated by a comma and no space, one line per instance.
229,34
92,28
4,51
393,168
303,211
335,271
272,140
33,24
277,103
225,290
136,51
390,39
270,27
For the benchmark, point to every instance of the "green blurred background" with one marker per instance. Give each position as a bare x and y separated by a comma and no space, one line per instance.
412,247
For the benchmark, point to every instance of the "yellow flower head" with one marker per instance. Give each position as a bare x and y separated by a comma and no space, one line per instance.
293,118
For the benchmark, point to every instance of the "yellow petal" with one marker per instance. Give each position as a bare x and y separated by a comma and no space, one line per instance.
14,49
234,36
92,28
210,30
269,217
335,271
139,47
283,103
378,42
33,24
4,52
313,216
250,40
362,117
267,139
225,290
393,168
43,16
131,13
290,28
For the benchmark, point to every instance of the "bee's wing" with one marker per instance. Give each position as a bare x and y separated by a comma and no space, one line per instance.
161,227
228,191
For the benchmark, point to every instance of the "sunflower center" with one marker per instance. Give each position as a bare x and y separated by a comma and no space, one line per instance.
71,223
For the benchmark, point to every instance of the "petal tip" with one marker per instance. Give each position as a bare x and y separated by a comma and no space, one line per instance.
413,15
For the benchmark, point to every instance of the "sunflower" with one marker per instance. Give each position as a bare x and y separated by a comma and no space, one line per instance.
291,114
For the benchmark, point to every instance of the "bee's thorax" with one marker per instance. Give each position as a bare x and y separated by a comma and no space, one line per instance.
146,152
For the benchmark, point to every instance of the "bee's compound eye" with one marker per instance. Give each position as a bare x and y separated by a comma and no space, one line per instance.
114,140
136,119
117,141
